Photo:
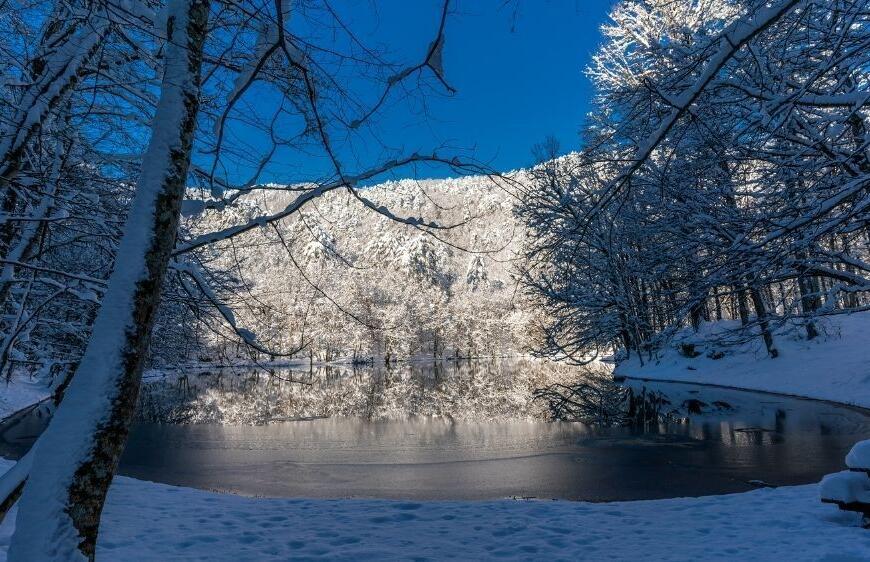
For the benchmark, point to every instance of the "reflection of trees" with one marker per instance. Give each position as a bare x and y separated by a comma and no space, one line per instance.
460,390
598,399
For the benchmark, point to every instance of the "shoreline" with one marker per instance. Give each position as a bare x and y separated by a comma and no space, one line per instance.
147,521
856,407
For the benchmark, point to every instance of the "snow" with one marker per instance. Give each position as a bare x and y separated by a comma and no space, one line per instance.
62,65
845,487
20,392
145,521
834,366
859,457
730,41
11,479
46,529
346,261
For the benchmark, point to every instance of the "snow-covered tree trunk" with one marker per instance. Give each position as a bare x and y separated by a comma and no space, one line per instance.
761,315
76,457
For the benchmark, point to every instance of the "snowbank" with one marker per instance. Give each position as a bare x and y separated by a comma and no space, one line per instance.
19,393
846,487
145,521
859,457
834,366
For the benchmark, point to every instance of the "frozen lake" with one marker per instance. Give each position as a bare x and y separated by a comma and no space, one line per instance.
386,442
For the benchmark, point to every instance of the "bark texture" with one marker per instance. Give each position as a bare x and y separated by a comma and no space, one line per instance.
76,459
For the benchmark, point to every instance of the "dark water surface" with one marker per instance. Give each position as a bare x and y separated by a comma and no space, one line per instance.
390,449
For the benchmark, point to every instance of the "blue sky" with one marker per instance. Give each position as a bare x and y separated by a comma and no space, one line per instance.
517,67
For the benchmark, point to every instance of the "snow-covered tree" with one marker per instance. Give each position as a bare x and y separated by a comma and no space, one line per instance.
724,176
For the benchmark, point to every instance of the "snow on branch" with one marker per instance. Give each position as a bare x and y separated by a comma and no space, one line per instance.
730,41
203,287
313,193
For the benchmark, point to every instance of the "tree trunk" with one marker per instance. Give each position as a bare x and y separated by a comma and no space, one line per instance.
718,303
742,305
12,481
76,457
850,300
810,301
698,313
761,314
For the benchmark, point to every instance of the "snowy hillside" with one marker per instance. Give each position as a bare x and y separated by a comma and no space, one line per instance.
355,284
833,366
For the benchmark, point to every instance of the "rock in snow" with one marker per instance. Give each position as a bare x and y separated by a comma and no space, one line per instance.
859,457
845,487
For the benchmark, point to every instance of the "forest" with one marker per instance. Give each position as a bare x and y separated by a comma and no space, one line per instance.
734,193
199,193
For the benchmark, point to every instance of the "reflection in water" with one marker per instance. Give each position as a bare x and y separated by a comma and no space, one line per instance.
763,438
464,431
479,390
597,399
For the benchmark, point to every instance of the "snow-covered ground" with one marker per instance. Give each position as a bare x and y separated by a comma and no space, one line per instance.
19,393
834,366
146,521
